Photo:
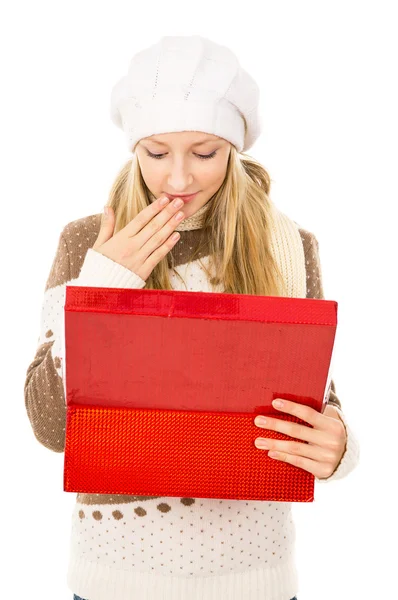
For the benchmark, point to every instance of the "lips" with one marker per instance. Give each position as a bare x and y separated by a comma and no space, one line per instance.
184,198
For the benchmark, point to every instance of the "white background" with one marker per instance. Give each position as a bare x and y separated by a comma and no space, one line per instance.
328,79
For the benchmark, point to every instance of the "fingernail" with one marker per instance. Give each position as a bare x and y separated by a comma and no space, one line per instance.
277,403
260,421
260,443
106,212
164,201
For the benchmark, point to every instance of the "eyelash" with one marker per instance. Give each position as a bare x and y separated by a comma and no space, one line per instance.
201,156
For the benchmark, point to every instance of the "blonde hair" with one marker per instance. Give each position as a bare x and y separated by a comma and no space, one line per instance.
239,214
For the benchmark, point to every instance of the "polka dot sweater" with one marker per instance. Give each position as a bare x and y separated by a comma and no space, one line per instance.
130,547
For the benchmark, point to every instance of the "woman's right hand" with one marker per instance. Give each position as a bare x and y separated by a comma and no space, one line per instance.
142,244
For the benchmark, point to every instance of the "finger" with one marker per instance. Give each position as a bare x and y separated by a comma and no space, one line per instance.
295,448
294,430
151,219
157,232
303,412
318,469
107,228
153,259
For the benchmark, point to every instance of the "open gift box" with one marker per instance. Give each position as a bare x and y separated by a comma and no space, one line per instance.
162,388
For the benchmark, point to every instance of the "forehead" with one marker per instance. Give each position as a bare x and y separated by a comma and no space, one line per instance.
183,138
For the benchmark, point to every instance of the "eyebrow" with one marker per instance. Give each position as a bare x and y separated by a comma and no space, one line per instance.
203,141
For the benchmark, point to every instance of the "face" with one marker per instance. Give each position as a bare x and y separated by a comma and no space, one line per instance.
184,162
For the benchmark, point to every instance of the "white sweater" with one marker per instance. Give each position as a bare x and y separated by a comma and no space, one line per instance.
128,548
239,549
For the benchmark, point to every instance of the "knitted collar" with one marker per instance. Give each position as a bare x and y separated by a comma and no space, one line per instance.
195,221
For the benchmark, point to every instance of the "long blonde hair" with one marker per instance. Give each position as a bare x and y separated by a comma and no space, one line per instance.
238,217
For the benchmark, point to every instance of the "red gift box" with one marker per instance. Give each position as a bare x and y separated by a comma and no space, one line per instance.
162,388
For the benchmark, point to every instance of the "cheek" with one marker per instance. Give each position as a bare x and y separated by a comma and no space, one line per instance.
213,175
152,174
217,177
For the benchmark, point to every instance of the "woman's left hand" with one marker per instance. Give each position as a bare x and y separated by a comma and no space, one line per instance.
326,438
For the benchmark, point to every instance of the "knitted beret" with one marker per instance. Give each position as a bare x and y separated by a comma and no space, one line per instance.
187,83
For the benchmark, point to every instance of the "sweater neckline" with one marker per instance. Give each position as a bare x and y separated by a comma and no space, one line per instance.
195,221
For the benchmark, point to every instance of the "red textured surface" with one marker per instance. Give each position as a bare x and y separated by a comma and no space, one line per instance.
162,388
183,453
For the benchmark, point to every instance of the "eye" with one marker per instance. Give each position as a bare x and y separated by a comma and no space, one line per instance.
201,156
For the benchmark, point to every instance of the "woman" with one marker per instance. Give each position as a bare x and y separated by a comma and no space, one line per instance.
189,111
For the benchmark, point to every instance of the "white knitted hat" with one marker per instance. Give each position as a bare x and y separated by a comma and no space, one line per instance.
187,83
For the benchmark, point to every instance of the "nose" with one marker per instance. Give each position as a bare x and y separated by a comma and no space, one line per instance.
180,177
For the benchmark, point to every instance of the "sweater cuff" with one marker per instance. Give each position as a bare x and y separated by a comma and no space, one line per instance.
350,458
100,271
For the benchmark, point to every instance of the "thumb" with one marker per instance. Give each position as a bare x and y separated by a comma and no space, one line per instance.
107,227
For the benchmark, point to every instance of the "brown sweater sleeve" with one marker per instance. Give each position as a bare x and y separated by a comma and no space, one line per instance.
44,383
43,388
315,286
